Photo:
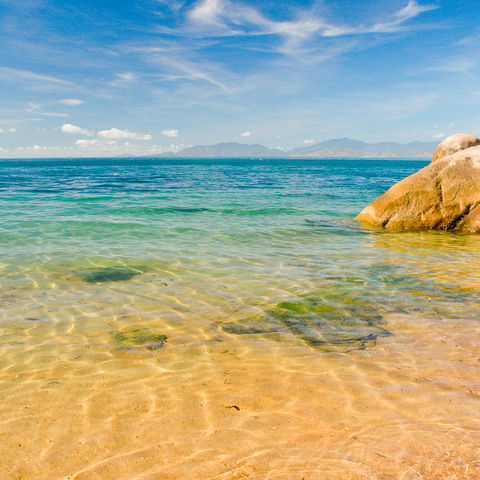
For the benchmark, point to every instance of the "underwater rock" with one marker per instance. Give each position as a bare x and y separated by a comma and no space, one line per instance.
140,337
109,274
328,321
445,195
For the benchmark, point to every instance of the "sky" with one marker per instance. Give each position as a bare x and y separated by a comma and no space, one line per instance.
142,77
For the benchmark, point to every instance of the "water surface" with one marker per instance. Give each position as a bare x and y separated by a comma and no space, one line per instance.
223,319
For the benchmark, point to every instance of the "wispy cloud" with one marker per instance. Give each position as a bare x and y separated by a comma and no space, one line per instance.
412,10
13,74
37,109
190,70
210,18
247,133
460,64
185,53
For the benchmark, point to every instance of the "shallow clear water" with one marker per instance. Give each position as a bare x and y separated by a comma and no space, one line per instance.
229,319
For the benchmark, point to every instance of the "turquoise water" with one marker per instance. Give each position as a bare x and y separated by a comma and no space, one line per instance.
266,248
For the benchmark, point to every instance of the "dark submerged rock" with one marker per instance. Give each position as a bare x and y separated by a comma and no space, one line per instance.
109,274
327,321
140,337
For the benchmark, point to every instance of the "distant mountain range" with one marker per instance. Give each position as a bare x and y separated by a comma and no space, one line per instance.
227,150
335,148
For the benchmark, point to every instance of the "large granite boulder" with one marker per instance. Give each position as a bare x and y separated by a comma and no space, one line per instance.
445,195
453,144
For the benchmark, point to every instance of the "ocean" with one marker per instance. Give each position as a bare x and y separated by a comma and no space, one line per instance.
228,318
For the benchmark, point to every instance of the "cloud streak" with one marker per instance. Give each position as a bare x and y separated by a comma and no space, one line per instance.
211,18
13,74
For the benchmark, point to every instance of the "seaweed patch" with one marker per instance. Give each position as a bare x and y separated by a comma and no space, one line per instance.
140,338
329,321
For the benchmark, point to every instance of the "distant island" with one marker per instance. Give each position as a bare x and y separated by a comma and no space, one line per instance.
335,148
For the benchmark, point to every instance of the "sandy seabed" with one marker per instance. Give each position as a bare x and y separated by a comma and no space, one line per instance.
231,407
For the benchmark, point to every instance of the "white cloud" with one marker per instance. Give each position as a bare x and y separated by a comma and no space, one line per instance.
82,142
12,130
3,150
117,134
71,102
170,132
438,135
246,133
308,142
74,130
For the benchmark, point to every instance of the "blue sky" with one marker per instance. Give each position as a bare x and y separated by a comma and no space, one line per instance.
86,78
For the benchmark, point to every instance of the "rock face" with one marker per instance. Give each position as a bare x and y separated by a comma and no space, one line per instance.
453,144
445,195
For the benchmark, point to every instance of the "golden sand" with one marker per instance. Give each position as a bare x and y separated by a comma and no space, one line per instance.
75,406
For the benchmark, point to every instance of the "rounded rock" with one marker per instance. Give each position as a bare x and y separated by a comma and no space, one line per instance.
453,144
444,195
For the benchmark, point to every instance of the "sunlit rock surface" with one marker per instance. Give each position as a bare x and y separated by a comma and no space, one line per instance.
445,195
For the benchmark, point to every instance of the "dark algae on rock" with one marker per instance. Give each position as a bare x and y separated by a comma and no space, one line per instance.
140,338
329,321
